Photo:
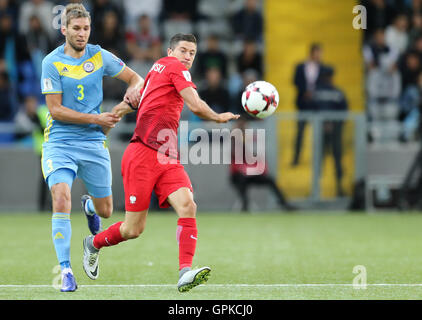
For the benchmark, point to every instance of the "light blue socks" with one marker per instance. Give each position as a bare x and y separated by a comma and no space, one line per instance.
61,233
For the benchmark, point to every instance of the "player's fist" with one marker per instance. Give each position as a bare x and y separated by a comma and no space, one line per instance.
226,117
132,96
108,119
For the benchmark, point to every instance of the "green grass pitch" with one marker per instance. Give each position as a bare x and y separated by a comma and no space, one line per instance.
259,256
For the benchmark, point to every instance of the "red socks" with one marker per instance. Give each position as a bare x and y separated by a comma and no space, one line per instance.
109,237
186,237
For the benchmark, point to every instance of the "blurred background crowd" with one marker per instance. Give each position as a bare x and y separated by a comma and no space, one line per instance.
392,52
327,73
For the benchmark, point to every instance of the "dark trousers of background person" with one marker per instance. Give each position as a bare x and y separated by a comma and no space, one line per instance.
332,142
242,183
301,124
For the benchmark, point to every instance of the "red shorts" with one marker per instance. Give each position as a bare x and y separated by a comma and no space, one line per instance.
145,170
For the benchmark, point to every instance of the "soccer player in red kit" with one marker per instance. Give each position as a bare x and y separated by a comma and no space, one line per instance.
150,161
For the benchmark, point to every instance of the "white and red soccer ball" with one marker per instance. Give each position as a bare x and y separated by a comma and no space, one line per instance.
260,99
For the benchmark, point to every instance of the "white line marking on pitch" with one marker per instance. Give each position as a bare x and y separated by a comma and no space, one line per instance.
220,285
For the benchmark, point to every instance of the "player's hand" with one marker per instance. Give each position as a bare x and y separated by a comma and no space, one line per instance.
108,119
132,96
226,117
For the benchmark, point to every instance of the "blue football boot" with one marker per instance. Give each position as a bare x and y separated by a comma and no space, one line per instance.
68,282
94,221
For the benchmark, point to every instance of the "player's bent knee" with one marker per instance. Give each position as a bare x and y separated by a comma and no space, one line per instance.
106,211
188,209
131,233
103,207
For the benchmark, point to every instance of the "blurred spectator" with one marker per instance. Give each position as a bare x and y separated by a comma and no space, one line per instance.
38,43
378,54
14,55
383,87
248,22
31,120
43,9
177,16
144,44
6,105
180,10
379,15
306,77
328,97
135,8
100,8
211,57
10,8
413,7
242,179
416,29
111,36
409,67
396,34
410,109
250,58
417,47
214,91
144,47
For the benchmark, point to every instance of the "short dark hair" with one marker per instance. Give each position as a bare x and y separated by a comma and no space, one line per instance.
314,47
181,37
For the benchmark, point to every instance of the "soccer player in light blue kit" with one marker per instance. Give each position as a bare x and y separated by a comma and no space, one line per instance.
74,139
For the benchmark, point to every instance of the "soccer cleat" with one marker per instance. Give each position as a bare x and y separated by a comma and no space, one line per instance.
90,259
193,278
68,282
94,221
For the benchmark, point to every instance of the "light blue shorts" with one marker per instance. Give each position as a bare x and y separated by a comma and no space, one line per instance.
89,161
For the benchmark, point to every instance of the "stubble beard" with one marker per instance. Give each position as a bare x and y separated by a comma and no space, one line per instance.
76,48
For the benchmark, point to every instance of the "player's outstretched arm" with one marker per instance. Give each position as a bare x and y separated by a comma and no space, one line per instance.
202,109
61,113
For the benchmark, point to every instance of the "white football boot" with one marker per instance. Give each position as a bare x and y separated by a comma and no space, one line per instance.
90,259
192,278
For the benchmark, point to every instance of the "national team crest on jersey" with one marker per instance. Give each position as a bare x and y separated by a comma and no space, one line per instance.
89,66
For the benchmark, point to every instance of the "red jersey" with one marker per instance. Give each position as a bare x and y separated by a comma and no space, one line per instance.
161,105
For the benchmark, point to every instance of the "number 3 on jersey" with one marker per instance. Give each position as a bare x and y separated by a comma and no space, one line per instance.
81,92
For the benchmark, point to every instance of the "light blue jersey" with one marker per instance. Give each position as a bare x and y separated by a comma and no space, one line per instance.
80,83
